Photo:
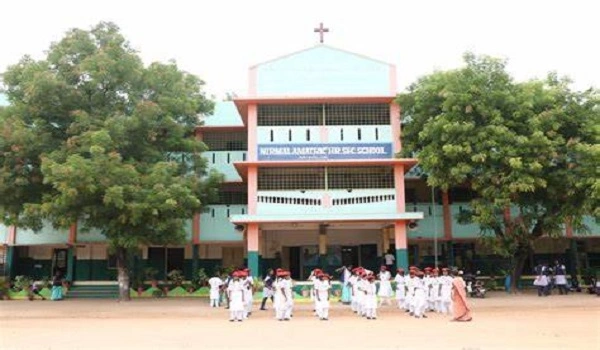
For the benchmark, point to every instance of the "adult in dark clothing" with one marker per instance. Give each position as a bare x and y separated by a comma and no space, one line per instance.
268,291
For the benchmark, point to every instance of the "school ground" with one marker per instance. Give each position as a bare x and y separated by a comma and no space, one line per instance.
500,322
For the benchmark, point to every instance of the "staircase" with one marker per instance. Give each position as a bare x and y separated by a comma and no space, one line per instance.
93,291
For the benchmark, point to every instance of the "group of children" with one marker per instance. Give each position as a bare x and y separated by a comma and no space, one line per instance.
418,292
423,291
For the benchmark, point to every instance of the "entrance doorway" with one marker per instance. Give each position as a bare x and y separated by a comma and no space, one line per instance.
59,261
233,256
166,260
350,255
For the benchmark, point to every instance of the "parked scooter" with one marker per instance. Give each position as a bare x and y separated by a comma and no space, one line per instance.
475,287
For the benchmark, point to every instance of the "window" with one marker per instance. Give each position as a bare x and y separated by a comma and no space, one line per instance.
226,141
291,178
271,133
359,134
290,135
376,133
307,134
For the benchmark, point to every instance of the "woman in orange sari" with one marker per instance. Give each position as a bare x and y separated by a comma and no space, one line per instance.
460,308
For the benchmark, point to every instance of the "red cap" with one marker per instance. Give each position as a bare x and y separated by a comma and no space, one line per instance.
383,268
400,269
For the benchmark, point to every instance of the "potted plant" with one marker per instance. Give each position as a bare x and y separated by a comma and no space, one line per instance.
150,274
175,277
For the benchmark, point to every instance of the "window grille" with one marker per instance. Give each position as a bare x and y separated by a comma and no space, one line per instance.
226,141
324,114
357,114
306,114
360,177
291,178
232,197
347,178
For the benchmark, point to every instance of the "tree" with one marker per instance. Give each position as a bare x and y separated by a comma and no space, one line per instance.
530,151
105,142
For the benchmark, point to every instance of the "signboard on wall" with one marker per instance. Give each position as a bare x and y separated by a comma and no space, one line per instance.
325,151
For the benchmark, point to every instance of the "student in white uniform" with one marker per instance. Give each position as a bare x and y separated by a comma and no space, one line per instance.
400,288
427,280
280,302
435,290
322,288
215,284
410,291
249,291
420,300
385,286
362,291
313,279
288,284
235,292
370,300
445,292
353,281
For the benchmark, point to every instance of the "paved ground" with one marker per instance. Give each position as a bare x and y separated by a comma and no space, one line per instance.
500,322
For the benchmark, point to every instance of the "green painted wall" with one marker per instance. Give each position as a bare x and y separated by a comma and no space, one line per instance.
402,258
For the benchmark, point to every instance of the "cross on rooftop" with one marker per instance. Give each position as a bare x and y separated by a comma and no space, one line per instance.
321,30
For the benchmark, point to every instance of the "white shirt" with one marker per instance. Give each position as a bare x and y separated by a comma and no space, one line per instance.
215,283
389,259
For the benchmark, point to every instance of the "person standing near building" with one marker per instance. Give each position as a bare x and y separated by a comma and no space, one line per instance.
289,293
445,292
541,281
385,286
248,283
411,282
322,288
267,288
345,276
57,282
389,260
236,294
400,288
560,278
370,298
280,298
215,284
435,290
420,298
460,308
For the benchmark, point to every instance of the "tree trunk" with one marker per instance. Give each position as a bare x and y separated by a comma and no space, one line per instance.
123,274
520,258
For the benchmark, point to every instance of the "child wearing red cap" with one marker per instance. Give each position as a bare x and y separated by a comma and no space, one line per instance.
420,297
280,303
385,286
370,299
400,288
410,291
248,282
435,290
235,291
289,306
322,287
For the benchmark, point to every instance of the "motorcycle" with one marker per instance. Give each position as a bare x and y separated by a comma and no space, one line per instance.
476,289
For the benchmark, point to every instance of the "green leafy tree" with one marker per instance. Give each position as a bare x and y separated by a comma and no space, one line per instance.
92,136
530,151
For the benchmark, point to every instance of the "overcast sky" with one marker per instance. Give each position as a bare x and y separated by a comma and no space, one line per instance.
219,39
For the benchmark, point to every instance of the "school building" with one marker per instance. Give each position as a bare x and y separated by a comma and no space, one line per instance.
311,180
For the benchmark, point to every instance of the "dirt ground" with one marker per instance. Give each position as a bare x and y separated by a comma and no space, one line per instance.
499,322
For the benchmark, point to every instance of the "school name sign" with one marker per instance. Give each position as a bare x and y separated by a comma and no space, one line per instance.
325,151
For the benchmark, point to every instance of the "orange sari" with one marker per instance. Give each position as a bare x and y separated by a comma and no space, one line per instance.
459,301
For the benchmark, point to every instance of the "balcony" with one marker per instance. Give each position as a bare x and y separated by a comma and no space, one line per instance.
222,161
372,201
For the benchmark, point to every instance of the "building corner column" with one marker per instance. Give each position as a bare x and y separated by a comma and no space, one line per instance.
252,246
400,240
